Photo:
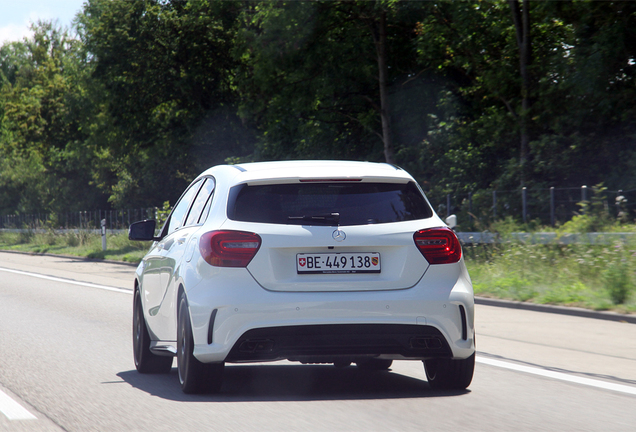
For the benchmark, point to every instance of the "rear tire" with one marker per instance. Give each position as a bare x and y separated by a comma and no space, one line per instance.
194,376
145,361
374,364
449,374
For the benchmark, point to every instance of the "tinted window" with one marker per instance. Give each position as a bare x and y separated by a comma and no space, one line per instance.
179,212
203,197
356,203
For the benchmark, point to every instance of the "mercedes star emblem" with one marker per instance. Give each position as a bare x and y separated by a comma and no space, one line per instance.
339,235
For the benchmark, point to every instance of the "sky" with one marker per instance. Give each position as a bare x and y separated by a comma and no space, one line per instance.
17,15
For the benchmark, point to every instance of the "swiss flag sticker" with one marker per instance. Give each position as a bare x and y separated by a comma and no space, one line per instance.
301,262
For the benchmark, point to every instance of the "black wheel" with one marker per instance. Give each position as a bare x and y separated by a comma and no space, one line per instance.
448,374
374,364
194,376
145,360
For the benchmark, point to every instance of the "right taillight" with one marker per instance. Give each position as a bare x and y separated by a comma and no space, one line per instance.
438,245
229,248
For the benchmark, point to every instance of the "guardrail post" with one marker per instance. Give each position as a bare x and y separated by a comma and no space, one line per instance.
103,224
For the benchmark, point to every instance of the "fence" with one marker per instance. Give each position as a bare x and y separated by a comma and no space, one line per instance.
115,219
475,211
544,206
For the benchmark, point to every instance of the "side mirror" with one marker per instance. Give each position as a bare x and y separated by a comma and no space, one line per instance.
143,231
451,221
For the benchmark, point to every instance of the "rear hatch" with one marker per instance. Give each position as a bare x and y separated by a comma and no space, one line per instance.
333,235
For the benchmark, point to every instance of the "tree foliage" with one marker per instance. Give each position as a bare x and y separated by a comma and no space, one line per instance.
466,95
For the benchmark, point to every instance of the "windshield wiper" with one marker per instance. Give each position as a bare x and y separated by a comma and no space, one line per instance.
329,218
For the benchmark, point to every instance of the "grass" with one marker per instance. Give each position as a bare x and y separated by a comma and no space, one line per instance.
81,243
599,277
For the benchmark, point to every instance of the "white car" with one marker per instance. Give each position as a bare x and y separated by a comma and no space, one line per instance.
310,261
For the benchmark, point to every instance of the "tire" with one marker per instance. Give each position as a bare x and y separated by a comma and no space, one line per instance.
448,374
374,364
145,361
194,376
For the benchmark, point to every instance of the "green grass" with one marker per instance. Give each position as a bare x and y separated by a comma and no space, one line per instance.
82,244
599,277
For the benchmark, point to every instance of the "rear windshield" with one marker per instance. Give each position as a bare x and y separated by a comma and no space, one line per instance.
328,203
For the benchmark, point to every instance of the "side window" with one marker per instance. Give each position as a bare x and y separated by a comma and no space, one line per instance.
206,209
200,201
179,212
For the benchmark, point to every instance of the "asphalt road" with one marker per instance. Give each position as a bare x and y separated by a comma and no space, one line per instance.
66,365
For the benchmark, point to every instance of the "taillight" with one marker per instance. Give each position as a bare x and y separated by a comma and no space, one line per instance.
438,245
229,248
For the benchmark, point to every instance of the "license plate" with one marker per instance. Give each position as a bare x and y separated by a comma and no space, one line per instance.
338,263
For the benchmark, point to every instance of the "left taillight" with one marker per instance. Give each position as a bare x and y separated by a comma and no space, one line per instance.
438,245
229,248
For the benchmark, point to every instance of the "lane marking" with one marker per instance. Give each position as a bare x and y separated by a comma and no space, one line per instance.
13,410
68,281
558,375
10,408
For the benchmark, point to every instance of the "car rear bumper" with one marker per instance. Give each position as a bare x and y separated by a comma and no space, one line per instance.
244,322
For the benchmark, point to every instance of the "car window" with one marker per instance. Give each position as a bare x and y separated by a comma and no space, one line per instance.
206,209
315,203
181,209
203,197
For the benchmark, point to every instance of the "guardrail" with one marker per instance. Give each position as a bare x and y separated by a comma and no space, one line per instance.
545,238
465,238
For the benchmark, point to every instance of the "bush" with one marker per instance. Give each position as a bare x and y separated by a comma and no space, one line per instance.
618,281
25,237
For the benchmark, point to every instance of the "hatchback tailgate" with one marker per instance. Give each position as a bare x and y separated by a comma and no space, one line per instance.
276,265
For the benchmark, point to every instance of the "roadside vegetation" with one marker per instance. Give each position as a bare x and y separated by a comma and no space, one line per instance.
599,277
80,243
592,276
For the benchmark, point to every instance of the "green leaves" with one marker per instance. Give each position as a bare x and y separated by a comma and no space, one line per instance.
151,92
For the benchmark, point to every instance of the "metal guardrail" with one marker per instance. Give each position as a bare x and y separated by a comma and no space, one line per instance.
545,238
464,237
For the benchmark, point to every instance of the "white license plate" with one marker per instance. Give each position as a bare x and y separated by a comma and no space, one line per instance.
338,263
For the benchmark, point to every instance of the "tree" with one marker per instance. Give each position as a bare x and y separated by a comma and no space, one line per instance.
162,69
318,77
42,167
521,20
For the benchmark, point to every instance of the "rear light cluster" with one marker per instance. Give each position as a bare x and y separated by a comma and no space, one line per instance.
229,248
438,245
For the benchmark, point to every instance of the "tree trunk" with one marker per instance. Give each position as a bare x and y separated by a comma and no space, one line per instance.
521,19
383,72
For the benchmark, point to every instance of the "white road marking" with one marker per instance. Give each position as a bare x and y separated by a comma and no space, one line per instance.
558,375
69,281
13,410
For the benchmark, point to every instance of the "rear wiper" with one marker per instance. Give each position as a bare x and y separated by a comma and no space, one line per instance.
333,218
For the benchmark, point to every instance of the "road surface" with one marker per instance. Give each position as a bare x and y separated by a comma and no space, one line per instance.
66,365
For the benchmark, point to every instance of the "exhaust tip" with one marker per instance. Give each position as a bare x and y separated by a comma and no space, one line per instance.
257,346
426,343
